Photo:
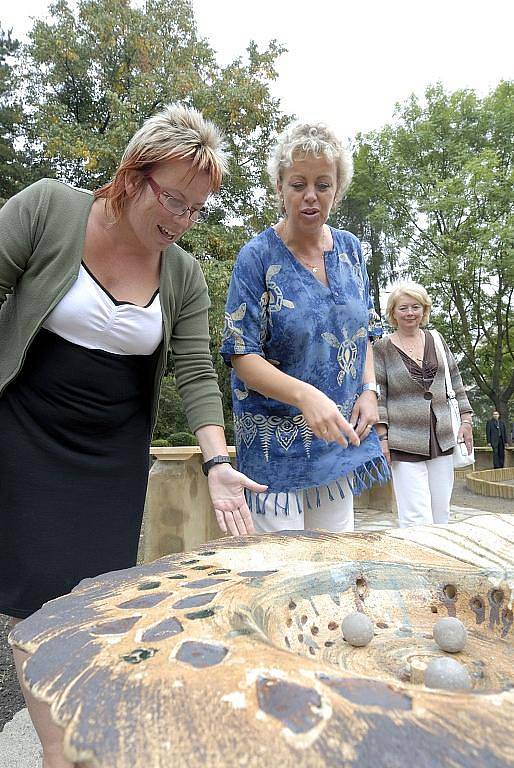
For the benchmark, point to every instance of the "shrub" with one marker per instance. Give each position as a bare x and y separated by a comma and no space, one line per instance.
182,438
160,443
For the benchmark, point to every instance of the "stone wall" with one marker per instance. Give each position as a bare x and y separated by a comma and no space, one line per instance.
178,512
492,482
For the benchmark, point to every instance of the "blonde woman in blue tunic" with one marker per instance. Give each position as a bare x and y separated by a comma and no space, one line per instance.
299,321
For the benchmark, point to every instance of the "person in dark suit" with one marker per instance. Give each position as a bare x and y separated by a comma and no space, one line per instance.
496,434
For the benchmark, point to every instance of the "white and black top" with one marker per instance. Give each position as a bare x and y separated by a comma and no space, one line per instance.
88,315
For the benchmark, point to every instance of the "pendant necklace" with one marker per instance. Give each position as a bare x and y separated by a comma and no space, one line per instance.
315,268
312,267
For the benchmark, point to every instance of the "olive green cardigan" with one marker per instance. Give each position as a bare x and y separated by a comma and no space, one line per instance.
42,231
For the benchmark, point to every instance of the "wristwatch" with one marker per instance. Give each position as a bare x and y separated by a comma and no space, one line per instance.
371,386
206,466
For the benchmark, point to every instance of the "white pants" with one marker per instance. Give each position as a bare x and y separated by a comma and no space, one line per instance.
423,490
334,516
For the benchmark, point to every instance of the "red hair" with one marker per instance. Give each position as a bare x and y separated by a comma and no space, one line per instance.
174,133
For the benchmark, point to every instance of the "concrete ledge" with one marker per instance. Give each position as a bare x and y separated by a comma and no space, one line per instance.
492,482
181,452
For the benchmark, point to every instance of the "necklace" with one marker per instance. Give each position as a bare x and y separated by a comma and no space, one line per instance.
281,230
314,267
410,349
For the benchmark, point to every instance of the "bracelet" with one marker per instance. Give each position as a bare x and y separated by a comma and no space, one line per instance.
371,386
383,437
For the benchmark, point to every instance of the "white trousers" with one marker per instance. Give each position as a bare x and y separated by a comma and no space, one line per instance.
334,516
423,490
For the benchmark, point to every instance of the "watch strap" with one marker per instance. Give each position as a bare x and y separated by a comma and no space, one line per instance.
206,466
371,386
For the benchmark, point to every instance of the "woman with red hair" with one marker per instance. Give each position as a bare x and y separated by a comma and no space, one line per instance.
94,292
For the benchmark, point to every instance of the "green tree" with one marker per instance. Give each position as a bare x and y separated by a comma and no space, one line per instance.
10,118
363,212
171,417
217,273
98,68
446,179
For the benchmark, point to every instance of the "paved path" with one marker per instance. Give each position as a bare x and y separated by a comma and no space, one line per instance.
19,744
373,520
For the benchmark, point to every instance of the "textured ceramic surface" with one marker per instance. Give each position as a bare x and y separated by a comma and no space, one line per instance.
233,655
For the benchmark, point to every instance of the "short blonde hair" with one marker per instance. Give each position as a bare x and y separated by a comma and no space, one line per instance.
415,291
313,139
174,133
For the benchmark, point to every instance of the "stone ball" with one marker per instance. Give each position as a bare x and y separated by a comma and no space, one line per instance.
357,629
448,674
450,634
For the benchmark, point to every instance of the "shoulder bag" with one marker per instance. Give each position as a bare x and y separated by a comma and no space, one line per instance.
460,459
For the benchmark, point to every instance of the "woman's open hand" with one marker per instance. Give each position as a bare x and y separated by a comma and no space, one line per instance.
226,488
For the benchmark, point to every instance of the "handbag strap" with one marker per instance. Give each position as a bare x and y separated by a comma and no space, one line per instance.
439,344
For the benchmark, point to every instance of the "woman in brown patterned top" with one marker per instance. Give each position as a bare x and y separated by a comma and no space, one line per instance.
414,426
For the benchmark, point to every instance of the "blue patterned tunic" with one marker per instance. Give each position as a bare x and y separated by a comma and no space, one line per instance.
278,309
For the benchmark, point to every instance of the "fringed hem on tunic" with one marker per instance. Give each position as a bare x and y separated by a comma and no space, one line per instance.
373,472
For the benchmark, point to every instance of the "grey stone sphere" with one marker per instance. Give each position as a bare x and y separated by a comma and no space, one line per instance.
448,674
450,634
357,629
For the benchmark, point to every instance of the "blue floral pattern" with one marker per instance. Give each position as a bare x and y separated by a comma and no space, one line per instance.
277,309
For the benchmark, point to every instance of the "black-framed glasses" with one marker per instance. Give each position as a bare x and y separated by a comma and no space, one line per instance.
174,205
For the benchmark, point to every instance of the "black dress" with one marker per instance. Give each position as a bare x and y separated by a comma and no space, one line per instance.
74,452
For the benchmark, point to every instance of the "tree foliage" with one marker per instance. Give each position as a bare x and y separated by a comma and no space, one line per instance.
217,274
96,70
364,213
10,117
446,181
432,195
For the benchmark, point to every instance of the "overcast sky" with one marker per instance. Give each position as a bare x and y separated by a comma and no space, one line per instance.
348,63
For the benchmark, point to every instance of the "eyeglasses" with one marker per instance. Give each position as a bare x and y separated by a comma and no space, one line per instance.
174,205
